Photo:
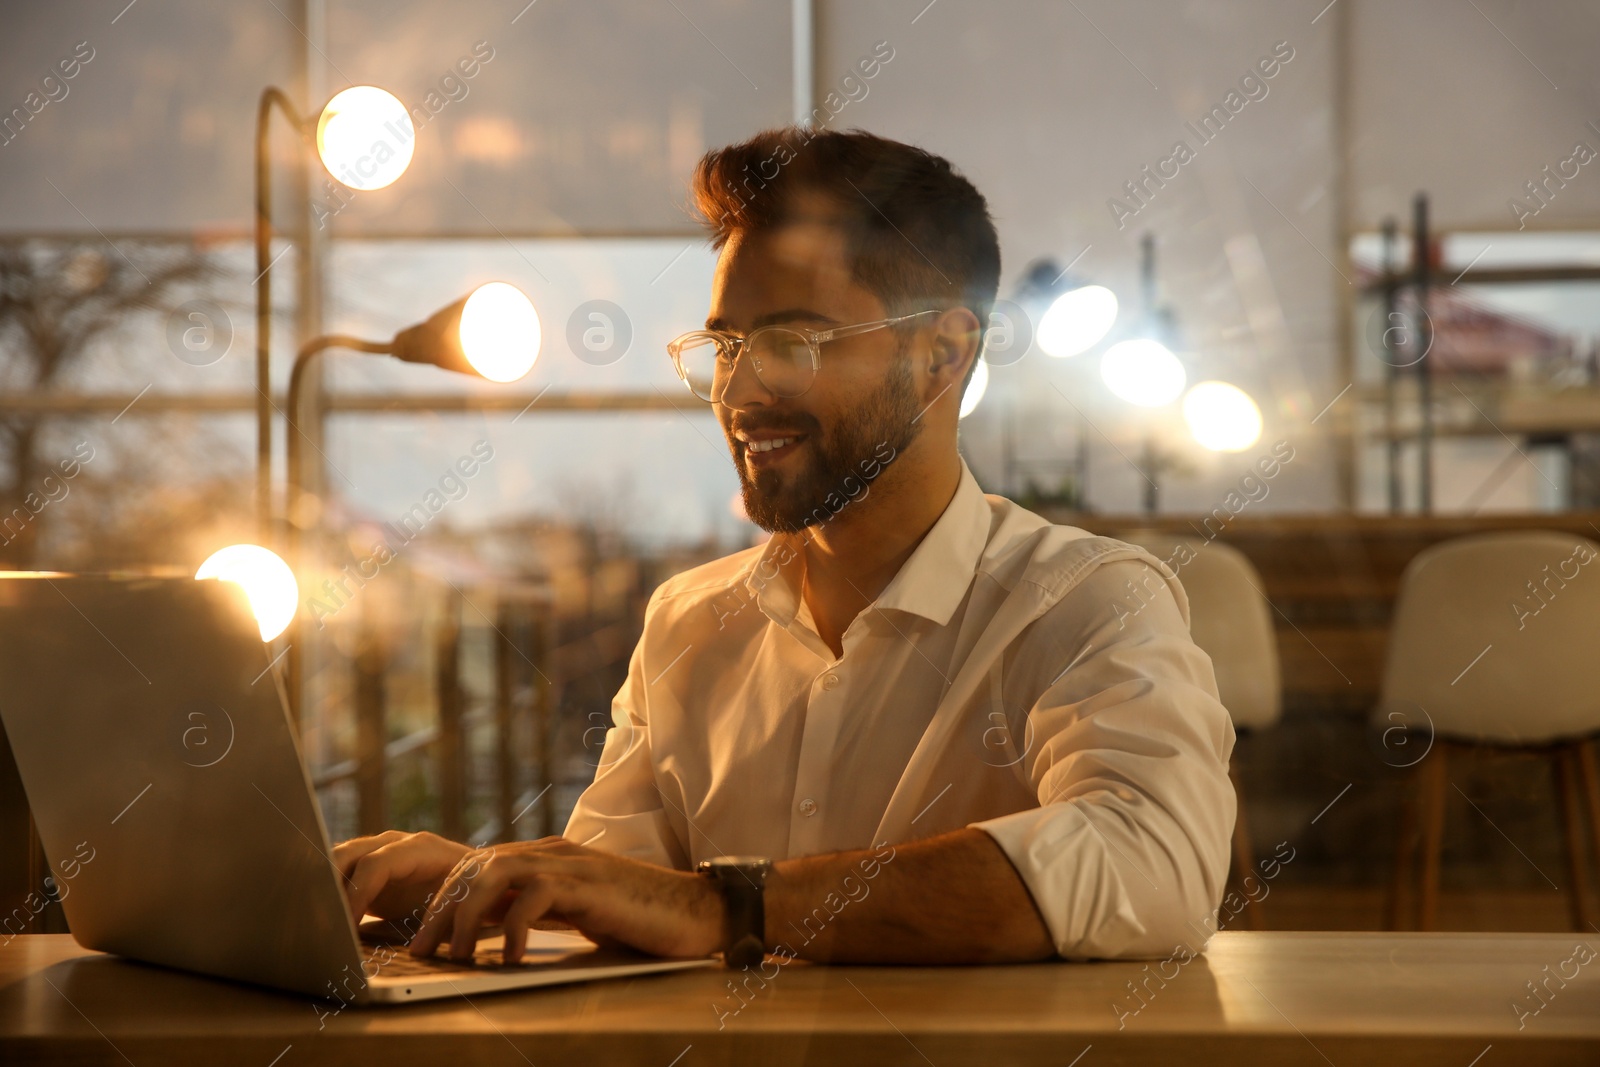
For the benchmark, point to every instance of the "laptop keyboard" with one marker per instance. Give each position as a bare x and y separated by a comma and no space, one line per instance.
396,962
384,953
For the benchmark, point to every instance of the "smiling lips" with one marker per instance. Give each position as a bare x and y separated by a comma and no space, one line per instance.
768,446
766,450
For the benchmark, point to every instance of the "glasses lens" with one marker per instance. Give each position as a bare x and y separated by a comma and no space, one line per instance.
700,360
782,360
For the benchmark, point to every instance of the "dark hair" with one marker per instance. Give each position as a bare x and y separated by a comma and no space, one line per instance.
917,232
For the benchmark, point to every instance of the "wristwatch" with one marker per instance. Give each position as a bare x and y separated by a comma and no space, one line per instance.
741,880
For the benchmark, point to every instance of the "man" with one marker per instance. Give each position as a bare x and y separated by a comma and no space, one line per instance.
952,725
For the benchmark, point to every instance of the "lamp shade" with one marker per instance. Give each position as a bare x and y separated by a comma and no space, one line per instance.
365,137
493,333
499,332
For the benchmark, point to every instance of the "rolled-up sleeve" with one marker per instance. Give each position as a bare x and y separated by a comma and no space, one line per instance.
1127,854
621,811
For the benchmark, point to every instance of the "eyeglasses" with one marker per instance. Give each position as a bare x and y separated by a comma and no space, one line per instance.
785,358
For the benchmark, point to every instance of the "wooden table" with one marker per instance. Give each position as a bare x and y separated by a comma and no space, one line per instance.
1254,998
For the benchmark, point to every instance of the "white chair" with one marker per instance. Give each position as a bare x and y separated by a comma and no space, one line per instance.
1492,647
1230,620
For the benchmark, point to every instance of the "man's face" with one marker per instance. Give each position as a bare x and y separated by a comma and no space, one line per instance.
861,404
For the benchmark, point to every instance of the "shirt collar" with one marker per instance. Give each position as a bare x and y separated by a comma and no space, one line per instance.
931,583
935,579
774,578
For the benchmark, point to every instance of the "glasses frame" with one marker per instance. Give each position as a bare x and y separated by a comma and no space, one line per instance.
731,347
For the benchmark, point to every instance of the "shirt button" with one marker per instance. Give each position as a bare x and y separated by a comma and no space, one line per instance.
808,807
830,681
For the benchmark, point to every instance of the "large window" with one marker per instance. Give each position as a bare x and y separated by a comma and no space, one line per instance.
1500,380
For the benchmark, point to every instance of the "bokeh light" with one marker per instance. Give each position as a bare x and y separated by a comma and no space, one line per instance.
975,389
1077,320
267,582
1143,371
1222,417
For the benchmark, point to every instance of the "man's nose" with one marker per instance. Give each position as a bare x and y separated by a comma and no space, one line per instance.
743,388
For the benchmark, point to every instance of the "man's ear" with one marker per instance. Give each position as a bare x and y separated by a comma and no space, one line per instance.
957,334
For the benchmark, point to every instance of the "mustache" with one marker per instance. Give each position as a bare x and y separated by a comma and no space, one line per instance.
757,425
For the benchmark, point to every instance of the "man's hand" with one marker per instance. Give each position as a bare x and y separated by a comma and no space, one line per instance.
654,909
451,891
393,874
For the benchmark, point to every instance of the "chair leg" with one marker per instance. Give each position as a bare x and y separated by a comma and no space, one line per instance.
1434,782
1405,847
1564,760
1244,860
1589,775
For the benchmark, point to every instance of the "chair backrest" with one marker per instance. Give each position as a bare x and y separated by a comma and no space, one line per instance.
1494,639
1229,619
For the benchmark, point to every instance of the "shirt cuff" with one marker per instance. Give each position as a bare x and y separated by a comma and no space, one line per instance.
1082,892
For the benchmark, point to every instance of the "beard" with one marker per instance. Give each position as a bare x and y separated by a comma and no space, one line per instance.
786,502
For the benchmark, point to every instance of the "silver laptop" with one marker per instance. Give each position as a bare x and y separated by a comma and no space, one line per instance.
176,811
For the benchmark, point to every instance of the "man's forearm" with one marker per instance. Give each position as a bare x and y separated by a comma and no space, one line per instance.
950,899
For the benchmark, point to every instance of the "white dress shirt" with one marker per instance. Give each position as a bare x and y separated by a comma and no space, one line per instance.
1031,680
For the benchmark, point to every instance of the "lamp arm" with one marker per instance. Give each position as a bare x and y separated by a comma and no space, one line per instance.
270,97
297,378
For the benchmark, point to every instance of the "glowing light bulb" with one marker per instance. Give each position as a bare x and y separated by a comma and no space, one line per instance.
365,137
500,334
267,582
1222,417
1077,320
975,390
1143,372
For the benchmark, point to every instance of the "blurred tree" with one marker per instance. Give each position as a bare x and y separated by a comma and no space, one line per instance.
57,298
1063,495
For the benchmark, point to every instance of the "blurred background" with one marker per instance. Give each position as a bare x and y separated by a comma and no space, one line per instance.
1359,238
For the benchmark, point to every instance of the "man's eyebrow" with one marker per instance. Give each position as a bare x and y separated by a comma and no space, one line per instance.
775,317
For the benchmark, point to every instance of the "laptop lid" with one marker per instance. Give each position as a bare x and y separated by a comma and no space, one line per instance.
166,782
